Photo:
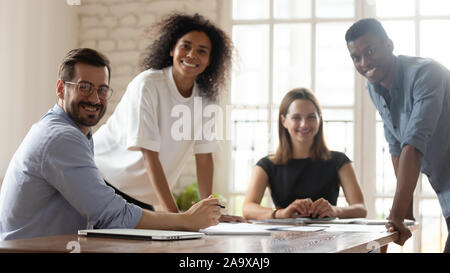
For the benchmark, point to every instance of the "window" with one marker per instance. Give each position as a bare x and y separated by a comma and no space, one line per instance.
282,44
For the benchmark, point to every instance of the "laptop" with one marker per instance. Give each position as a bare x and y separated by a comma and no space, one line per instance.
141,234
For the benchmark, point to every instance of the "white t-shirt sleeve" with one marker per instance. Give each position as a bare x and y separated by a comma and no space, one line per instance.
142,124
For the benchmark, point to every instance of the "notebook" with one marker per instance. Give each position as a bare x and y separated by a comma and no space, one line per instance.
328,220
141,234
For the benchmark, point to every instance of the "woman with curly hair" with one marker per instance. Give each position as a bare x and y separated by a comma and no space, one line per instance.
137,150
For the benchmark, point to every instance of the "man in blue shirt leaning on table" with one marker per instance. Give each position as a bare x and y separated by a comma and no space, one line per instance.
52,185
412,96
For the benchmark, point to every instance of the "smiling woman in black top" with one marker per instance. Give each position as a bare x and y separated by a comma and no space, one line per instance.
303,176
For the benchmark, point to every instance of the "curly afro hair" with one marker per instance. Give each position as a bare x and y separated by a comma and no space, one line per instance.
173,27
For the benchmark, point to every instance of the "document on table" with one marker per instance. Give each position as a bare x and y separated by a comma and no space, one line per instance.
300,221
344,221
302,228
364,221
351,227
253,229
235,229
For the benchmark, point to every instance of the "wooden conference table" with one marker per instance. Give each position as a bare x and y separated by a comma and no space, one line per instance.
277,242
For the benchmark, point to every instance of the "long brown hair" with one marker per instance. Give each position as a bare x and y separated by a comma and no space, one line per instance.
319,149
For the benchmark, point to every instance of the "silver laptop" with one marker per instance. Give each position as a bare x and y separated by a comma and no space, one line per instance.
141,234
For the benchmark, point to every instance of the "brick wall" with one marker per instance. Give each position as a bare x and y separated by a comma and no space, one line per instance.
117,29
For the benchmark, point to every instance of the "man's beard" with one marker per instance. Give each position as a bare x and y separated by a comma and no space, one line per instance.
74,113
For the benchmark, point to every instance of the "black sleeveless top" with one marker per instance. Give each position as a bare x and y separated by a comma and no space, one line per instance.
304,178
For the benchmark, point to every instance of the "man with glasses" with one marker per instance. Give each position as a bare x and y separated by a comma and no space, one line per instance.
412,95
52,185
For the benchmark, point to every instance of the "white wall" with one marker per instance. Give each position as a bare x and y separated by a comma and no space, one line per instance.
35,36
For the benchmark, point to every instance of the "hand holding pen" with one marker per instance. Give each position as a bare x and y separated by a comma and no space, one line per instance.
203,214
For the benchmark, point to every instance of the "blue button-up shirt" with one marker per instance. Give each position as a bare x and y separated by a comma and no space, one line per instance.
419,115
52,185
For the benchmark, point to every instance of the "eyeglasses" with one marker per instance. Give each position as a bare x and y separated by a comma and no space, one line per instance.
87,88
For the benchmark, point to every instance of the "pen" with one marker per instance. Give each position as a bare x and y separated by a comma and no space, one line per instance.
222,206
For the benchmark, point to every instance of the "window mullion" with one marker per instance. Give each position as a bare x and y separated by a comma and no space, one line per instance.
313,45
270,68
417,243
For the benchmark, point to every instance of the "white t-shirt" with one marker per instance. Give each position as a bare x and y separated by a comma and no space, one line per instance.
144,119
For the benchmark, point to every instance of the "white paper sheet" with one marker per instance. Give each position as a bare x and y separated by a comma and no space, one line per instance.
352,228
235,229
301,228
254,229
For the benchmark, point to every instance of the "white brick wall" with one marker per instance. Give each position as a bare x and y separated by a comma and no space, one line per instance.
117,29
